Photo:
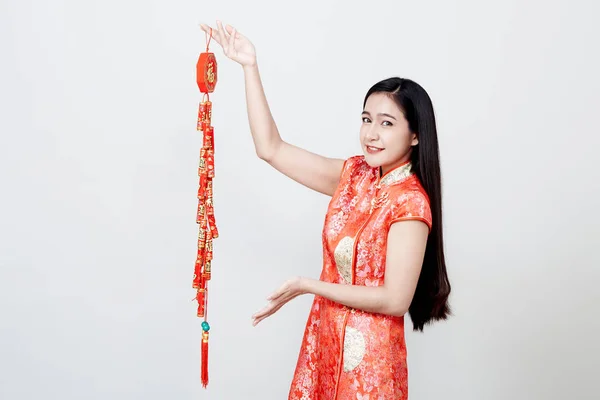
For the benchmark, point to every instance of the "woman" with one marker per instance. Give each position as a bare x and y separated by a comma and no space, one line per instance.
384,220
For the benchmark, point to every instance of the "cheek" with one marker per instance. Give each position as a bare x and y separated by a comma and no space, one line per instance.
362,133
399,141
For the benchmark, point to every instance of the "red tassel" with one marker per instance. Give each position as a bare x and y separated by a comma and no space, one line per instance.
204,373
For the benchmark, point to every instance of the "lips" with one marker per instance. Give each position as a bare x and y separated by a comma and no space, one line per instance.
373,149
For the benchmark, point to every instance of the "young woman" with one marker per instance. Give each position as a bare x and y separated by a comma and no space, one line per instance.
383,244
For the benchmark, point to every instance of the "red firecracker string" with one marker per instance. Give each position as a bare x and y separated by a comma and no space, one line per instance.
206,76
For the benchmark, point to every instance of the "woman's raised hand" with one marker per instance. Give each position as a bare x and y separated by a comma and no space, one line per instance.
235,45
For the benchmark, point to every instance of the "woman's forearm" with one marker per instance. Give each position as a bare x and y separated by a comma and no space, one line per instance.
371,299
262,126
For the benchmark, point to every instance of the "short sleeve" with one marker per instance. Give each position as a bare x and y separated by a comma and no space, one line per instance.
412,205
350,169
350,166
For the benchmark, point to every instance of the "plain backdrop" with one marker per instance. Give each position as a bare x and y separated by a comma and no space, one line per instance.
98,158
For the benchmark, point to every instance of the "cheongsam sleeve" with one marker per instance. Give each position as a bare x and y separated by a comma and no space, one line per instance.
350,166
412,205
350,171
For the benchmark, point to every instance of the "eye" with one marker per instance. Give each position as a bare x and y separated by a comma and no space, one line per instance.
366,120
387,122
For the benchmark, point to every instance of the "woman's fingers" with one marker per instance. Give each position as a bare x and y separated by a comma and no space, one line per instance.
269,310
222,35
229,29
262,314
266,313
264,310
275,295
231,43
215,35
273,306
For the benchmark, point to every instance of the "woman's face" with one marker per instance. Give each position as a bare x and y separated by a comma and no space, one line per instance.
384,135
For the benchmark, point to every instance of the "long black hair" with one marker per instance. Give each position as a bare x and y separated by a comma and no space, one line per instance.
430,301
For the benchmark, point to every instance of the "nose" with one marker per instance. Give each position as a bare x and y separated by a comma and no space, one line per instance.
372,133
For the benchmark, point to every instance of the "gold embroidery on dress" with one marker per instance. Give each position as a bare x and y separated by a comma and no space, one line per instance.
397,175
354,348
380,200
343,258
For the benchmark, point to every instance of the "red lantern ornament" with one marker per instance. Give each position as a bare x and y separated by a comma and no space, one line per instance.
206,77
206,71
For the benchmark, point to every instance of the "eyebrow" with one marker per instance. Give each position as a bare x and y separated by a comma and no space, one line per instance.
380,114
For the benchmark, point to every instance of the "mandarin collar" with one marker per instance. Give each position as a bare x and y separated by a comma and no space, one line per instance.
395,175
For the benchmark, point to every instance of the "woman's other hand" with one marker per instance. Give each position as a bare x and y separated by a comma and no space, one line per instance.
291,289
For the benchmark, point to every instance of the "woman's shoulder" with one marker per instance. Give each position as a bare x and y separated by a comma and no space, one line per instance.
410,189
354,165
356,175
355,160
410,201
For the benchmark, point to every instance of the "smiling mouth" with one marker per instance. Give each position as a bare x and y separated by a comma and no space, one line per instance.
373,149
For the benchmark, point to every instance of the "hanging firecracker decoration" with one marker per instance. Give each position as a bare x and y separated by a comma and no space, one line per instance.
206,76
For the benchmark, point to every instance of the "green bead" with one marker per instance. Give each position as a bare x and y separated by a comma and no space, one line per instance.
205,326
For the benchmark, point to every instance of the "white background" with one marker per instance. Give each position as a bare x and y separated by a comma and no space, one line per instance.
98,157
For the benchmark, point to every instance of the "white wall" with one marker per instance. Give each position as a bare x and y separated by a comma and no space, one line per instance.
98,156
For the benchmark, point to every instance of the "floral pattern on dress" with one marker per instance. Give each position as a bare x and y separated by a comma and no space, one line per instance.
346,353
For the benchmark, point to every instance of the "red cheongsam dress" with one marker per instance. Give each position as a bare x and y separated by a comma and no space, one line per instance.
348,353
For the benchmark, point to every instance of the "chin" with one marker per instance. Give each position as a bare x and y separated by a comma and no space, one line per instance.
374,161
